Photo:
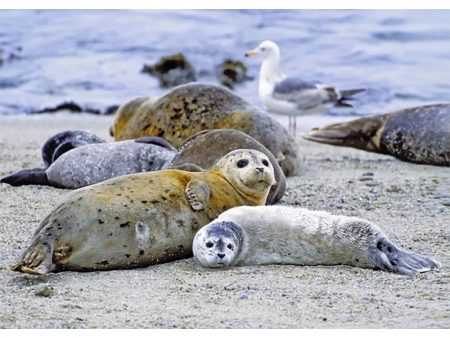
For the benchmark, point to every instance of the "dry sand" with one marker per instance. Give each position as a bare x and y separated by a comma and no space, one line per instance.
410,202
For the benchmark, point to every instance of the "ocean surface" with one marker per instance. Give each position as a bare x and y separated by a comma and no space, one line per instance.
95,57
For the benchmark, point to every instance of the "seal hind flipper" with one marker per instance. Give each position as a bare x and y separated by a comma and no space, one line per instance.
36,176
388,257
197,194
36,260
156,141
362,133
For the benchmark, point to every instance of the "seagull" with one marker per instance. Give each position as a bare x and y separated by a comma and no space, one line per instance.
292,96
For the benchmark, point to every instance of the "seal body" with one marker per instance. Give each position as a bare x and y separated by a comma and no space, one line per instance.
190,108
204,148
92,163
418,135
142,219
286,235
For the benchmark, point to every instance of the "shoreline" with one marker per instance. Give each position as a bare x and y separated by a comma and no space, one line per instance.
410,203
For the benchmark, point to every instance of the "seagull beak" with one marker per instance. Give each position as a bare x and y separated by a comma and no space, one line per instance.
251,53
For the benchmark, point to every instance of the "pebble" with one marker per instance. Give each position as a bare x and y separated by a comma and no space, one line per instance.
43,290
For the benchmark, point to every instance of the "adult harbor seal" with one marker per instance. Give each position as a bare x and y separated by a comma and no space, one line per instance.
142,219
202,150
419,135
64,141
194,107
287,235
92,163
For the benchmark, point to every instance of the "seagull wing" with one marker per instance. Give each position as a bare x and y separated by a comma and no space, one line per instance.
305,95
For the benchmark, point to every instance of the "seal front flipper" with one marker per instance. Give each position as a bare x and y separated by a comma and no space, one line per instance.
388,257
35,176
197,194
156,141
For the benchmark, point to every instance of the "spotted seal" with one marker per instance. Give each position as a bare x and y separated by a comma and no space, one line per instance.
287,235
142,219
190,108
419,135
203,149
85,164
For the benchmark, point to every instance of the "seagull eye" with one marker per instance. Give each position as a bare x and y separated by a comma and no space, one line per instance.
265,163
263,49
242,163
209,244
230,246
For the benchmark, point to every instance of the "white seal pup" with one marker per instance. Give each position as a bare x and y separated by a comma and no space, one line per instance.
287,235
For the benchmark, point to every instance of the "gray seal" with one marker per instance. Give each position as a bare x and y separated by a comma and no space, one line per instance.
190,108
203,149
419,135
92,163
287,235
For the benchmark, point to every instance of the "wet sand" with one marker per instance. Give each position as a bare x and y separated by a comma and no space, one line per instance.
409,202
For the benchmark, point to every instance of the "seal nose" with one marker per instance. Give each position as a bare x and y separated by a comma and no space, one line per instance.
221,255
260,169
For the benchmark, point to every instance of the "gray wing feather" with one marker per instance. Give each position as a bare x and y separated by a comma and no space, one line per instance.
304,94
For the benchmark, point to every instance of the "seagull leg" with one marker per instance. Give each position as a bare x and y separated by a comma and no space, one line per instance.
295,125
289,125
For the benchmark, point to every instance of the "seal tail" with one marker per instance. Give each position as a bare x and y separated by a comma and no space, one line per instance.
360,133
36,176
389,257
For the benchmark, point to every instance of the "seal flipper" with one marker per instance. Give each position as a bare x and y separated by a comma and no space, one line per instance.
197,194
388,257
156,141
36,176
37,259
362,133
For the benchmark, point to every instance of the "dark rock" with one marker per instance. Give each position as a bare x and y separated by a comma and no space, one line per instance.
231,72
172,70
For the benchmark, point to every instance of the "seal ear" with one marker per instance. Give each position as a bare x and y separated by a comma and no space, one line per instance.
156,141
197,194
188,167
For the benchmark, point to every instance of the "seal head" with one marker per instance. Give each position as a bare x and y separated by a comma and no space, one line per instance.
247,170
218,244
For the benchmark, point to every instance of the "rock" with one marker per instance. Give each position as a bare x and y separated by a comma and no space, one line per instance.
230,72
172,70
43,290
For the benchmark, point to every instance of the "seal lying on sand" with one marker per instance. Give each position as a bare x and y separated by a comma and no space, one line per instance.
418,135
202,150
85,166
92,163
286,235
190,108
142,219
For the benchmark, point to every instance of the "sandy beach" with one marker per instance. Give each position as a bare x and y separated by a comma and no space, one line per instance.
409,202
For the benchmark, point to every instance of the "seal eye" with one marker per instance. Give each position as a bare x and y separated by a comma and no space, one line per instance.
209,244
242,163
265,163
230,246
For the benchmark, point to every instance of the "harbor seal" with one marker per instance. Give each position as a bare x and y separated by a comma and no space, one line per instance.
64,141
419,135
190,108
142,219
287,235
203,149
88,164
